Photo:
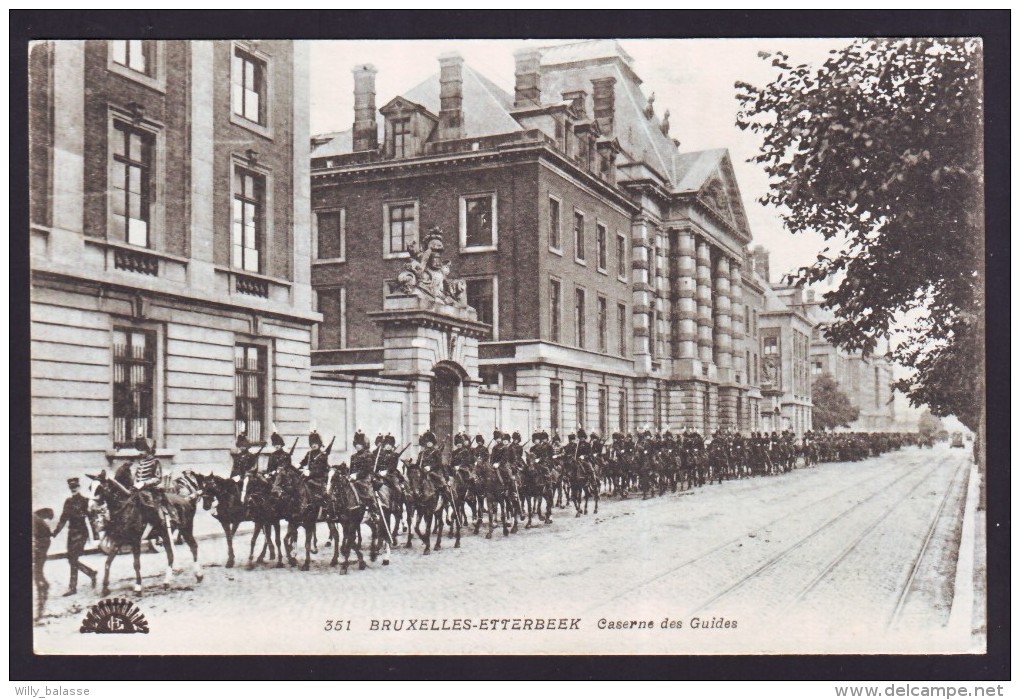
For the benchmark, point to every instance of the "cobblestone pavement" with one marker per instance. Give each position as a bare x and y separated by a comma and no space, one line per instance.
846,558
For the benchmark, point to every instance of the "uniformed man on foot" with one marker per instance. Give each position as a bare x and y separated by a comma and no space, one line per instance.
75,517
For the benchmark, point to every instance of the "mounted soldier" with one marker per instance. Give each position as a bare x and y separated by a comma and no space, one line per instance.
388,463
316,460
279,458
362,468
148,481
430,459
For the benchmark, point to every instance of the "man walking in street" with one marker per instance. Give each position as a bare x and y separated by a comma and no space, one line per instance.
75,517
41,538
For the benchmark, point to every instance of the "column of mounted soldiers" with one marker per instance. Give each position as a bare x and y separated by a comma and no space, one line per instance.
503,480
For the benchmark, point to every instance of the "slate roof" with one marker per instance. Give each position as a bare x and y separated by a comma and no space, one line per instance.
486,108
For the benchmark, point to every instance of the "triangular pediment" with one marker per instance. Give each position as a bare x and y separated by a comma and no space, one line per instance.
720,192
402,105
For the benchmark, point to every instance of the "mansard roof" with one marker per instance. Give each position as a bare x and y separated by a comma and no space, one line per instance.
486,106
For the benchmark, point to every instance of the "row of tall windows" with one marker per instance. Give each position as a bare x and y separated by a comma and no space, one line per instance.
134,386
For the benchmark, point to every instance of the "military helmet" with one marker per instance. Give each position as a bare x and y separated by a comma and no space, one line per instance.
359,439
581,435
535,436
314,440
427,438
479,440
276,440
242,442
389,440
516,437
142,444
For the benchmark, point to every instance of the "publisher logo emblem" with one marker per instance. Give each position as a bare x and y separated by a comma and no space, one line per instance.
114,616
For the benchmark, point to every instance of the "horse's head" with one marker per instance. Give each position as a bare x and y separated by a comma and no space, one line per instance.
209,487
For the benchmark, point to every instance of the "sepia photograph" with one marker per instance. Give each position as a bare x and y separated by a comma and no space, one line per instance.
568,346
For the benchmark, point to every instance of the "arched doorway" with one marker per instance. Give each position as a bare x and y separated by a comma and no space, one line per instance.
442,401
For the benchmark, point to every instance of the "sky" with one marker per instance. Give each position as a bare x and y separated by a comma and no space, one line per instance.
692,78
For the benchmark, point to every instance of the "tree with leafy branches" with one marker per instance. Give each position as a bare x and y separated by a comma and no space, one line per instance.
831,407
880,151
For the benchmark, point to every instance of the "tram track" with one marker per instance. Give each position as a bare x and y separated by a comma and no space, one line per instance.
842,556
770,563
908,469
908,585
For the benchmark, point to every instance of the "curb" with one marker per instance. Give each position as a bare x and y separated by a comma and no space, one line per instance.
961,622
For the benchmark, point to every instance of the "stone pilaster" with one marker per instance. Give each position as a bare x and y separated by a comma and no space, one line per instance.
642,289
739,315
685,313
703,273
723,325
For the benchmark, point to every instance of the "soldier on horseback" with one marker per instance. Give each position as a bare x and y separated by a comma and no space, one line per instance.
148,481
316,460
430,459
388,462
279,458
362,468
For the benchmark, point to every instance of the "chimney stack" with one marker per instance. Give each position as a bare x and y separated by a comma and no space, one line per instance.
451,97
527,78
579,101
604,98
365,134
760,257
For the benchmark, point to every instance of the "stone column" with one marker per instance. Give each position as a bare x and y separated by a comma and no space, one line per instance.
67,171
738,314
704,297
723,324
642,297
686,311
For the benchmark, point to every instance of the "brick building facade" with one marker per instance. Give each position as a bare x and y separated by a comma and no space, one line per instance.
169,250
610,264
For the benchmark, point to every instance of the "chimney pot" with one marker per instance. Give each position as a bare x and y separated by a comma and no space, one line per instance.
527,78
365,134
579,101
604,103
451,97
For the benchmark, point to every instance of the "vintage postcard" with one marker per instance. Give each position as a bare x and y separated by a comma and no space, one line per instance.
587,347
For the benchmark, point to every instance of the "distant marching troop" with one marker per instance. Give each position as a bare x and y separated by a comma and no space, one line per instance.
496,480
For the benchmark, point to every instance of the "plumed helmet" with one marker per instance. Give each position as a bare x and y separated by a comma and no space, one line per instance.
378,439
360,440
516,437
479,440
276,440
458,440
497,434
617,436
390,440
581,435
426,438
141,444
504,437
594,436
571,437
535,436
242,442
314,439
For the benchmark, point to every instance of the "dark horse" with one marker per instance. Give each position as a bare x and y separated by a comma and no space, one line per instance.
537,485
131,516
346,507
426,502
303,505
259,507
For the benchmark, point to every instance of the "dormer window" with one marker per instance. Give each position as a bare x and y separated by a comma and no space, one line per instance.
401,137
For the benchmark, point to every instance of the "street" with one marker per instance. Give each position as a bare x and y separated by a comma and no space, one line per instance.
839,558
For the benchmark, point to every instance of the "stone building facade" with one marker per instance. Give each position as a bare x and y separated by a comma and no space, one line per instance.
609,264
170,239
